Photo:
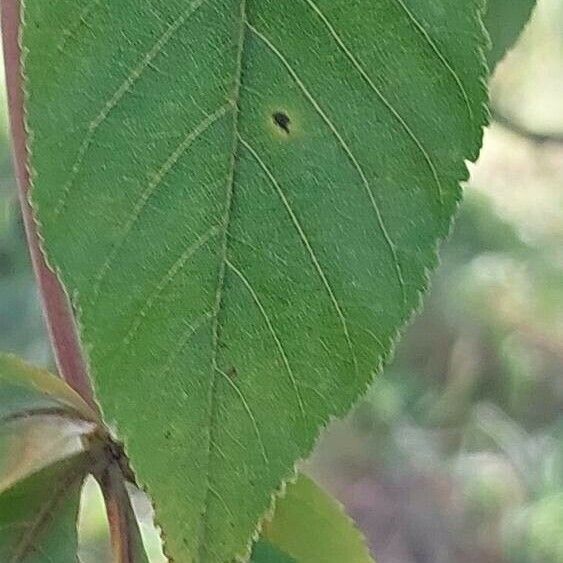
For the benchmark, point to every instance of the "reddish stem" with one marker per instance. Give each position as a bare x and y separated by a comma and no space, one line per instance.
121,518
57,309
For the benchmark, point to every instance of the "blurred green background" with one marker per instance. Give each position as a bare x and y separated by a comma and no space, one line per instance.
456,453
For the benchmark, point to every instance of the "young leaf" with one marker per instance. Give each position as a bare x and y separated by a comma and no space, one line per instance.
245,203
504,20
30,444
309,526
38,515
27,391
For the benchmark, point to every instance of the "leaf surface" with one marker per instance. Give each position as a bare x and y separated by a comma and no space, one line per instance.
38,515
309,526
244,204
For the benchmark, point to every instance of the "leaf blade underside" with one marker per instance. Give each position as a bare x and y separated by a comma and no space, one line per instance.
244,207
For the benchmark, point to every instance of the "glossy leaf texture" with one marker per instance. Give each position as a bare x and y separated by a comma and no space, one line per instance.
504,21
244,205
28,391
38,515
309,526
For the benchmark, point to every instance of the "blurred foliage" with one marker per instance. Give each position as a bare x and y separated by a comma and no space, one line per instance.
504,20
528,83
21,327
456,453
93,528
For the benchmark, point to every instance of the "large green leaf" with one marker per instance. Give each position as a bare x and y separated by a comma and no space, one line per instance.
38,515
309,527
504,20
244,200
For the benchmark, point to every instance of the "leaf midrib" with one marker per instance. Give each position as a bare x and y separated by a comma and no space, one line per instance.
215,371
223,251
237,141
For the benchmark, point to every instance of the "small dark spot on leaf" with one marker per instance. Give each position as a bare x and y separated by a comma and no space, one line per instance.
168,434
232,372
281,119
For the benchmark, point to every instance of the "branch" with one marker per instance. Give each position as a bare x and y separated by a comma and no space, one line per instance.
126,540
57,310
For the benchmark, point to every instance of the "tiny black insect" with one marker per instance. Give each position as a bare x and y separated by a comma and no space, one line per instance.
282,120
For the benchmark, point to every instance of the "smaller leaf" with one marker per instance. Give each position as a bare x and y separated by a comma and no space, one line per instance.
38,515
309,526
265,552
27,391
31,444
505,20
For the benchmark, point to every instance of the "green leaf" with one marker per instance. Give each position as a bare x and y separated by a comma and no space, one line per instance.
30,444
265,552
504,20
27,390
244,200
310,526
38,515
41,419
